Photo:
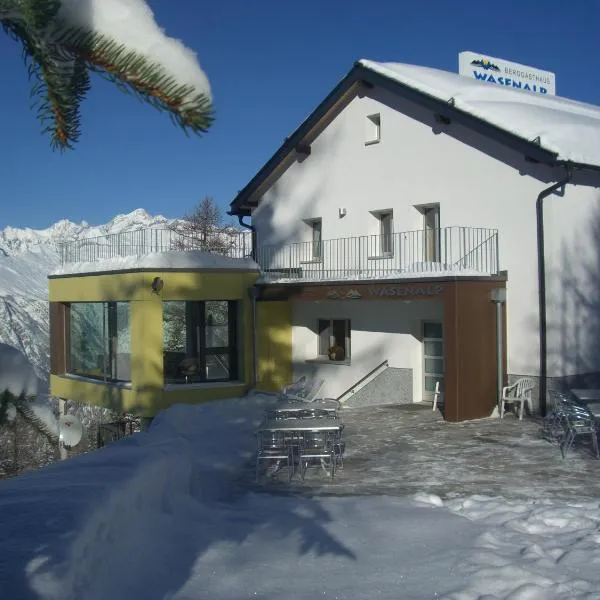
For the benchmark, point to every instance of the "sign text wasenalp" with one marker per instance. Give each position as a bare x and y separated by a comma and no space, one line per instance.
507,74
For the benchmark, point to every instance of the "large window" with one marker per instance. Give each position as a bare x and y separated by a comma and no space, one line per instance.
200,341
334,339
100,340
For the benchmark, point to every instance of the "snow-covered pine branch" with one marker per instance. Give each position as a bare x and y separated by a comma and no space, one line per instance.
64,39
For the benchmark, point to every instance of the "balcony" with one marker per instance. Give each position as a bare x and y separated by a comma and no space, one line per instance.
449,251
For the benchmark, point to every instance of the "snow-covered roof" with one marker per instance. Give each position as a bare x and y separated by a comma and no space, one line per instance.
566,127
191,259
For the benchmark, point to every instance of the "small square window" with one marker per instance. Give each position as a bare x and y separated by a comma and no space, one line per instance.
334,339
372,129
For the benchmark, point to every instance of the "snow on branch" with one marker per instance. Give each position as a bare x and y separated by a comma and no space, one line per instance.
131,23
65,39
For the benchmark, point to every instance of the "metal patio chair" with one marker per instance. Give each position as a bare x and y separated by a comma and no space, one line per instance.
317,446
554,427
306,392
566,420
272,446
579,423
296,388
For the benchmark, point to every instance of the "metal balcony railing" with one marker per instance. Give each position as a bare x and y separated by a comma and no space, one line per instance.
235,244
444,251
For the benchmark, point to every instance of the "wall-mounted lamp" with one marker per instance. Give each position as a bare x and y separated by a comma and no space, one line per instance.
157,285
342,212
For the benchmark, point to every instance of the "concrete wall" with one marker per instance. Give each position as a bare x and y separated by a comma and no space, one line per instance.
477,183
380,331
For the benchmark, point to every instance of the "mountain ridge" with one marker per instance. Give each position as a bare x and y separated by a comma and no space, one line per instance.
14,240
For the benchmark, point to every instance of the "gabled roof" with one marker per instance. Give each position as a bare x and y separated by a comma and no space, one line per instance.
548,129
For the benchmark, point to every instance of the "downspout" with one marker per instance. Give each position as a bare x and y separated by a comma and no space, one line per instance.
539,212
254,292
253,234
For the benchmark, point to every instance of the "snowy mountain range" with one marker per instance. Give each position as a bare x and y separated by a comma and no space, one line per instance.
27,257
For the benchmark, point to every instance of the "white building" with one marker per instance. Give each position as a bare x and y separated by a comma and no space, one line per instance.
412,184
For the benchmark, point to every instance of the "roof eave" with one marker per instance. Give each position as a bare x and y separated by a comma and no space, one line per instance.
239,204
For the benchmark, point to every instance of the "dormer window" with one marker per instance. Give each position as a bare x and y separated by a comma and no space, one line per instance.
373,129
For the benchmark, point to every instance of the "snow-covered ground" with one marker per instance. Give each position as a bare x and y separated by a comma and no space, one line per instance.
172,513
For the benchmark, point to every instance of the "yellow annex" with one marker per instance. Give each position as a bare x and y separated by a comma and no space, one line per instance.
147,392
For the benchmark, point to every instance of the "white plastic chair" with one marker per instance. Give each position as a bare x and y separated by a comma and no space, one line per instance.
438,396
517,393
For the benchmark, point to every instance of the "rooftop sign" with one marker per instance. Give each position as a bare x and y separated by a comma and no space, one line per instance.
508,74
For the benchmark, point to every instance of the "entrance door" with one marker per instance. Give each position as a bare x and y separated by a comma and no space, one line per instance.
431,225
433,358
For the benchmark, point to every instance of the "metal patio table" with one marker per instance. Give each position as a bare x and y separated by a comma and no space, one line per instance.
589,398
297,427
300,407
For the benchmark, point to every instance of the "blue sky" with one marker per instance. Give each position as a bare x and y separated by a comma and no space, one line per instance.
269,63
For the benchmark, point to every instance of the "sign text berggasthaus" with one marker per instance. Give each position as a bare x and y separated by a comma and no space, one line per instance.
508,74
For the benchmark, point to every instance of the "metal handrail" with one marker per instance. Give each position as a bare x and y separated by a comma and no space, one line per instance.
463,260
357,383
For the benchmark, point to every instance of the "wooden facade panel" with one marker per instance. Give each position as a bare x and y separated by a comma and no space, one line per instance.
58,338
356,292
471,351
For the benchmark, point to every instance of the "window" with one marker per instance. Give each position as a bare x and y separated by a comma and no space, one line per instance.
334,339
433,357
431,232
385,233
372,129
431,225
316,243
381,244
100,340
200,341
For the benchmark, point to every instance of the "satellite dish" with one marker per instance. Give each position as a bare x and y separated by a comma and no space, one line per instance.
70,430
